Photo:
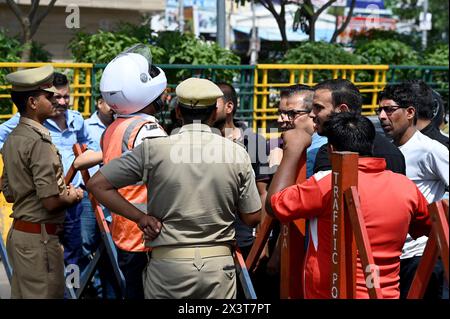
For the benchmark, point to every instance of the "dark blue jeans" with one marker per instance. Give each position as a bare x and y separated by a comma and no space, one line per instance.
435,288
103,279
71,238
132,265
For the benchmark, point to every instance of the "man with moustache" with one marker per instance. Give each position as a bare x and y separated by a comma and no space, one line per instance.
340,95
426,165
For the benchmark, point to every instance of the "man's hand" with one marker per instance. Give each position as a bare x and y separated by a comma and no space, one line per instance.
296,139
75,195
275,157
150,226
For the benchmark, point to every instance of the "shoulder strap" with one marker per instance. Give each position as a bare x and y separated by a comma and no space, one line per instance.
131,133
146,146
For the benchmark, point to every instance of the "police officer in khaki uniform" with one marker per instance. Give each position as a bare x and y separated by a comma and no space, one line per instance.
197,181
33,180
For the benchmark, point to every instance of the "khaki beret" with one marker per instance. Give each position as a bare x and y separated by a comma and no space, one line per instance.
33,79
198,93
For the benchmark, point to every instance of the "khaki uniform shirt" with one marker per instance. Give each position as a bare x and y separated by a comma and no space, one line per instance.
32,171
196,181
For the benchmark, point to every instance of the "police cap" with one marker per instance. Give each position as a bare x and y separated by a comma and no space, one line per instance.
32,79
198,93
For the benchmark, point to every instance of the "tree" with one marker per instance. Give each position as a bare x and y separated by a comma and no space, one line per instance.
305,17
29,22
339,29
411,9
280,17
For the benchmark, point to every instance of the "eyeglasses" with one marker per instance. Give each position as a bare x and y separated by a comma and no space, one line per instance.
58,97
388,109
292,113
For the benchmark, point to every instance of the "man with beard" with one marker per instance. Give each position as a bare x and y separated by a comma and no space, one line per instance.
340,95
295,105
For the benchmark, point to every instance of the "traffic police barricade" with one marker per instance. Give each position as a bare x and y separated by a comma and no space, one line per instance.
437,245
107,242
292,247
4,259
348,231
345,239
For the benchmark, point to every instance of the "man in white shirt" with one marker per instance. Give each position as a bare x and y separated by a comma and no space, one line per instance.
426,165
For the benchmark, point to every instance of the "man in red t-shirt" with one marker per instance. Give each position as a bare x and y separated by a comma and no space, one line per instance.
391,204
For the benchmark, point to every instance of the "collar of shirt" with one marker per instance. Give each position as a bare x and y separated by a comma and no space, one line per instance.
70,121
196,127
371,164
145,116
95,120
36,125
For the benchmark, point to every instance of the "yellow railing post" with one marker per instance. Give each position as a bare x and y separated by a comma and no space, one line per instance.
262,110
255,99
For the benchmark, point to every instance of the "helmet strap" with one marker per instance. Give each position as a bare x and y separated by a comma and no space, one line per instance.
159,104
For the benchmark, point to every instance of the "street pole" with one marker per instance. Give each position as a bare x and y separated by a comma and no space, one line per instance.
253,39
221,23
424,31
181,15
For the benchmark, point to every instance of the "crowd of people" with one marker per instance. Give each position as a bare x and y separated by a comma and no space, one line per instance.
179,201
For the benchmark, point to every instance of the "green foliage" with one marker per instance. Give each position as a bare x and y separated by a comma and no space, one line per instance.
362,38
10,48
167,47
187,49
410,9
437,55
387,52
39,54
10,51
319,53
103,46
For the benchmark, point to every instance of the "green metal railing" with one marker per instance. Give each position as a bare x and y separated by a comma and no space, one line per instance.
243,77
435,76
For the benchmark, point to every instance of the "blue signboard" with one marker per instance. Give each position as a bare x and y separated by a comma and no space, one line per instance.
365,3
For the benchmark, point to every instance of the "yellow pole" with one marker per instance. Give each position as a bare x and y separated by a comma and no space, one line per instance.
76,81
255,98
264,99
87,90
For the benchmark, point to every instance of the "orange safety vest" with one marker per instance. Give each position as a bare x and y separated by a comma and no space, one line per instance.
125,233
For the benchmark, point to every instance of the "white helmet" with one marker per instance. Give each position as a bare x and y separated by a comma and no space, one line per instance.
127,85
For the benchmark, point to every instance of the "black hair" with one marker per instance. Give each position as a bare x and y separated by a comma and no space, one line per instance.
403,94
190,115
350,132
229,94
293,89
20,99
423,99
60,80
439,111
342,92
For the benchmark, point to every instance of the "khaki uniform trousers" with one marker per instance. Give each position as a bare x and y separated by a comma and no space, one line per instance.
204,275
37,261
